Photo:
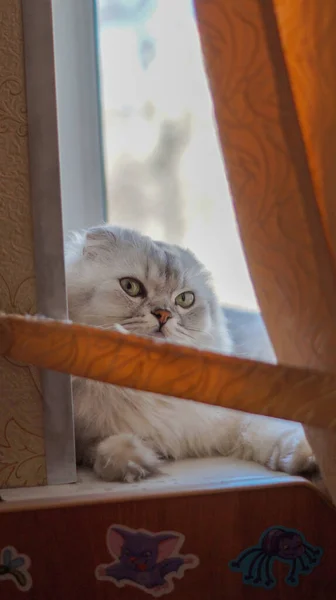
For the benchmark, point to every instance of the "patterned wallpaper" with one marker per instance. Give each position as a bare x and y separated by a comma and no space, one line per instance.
22,457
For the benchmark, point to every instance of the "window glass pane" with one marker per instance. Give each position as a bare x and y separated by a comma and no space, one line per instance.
164,169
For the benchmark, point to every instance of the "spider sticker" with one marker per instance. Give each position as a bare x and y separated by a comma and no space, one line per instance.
288,546
14,566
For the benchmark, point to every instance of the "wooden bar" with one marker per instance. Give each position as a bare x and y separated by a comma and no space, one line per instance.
158,367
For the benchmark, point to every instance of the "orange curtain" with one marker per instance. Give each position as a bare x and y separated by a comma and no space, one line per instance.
271,67
307,31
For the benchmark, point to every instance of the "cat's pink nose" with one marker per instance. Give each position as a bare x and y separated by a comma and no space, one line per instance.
162,315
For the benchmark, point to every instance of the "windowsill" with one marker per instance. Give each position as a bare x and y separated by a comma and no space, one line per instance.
207,475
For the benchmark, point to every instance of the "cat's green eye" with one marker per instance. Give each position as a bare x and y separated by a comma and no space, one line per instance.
185,300
132,287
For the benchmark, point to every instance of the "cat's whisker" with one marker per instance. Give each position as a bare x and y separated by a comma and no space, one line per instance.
108,316
197,330
185,333
183,328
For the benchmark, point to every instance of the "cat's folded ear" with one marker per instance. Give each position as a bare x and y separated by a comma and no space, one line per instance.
98,241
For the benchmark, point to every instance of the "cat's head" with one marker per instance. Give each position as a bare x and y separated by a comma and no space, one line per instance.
118,276
140,551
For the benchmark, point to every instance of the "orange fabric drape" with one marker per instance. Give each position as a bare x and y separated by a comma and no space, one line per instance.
277,126
307,32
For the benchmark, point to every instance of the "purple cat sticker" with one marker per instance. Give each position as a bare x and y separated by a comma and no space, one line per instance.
145,560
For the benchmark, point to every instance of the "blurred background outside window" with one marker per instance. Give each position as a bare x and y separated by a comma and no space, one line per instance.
163,166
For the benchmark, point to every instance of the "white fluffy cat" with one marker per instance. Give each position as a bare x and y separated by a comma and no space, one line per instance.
117,277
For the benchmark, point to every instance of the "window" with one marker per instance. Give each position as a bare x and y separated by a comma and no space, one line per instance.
135,148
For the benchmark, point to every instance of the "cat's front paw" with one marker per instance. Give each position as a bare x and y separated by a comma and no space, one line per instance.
126,458
294,454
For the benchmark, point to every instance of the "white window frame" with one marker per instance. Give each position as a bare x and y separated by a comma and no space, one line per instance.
66,178
78,113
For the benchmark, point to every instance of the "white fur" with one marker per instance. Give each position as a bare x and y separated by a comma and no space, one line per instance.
124,433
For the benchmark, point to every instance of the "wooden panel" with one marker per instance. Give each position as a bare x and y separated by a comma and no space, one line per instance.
181,477
145,364
71,543
279,219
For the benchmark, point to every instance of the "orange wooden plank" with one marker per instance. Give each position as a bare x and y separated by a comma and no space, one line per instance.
146,364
